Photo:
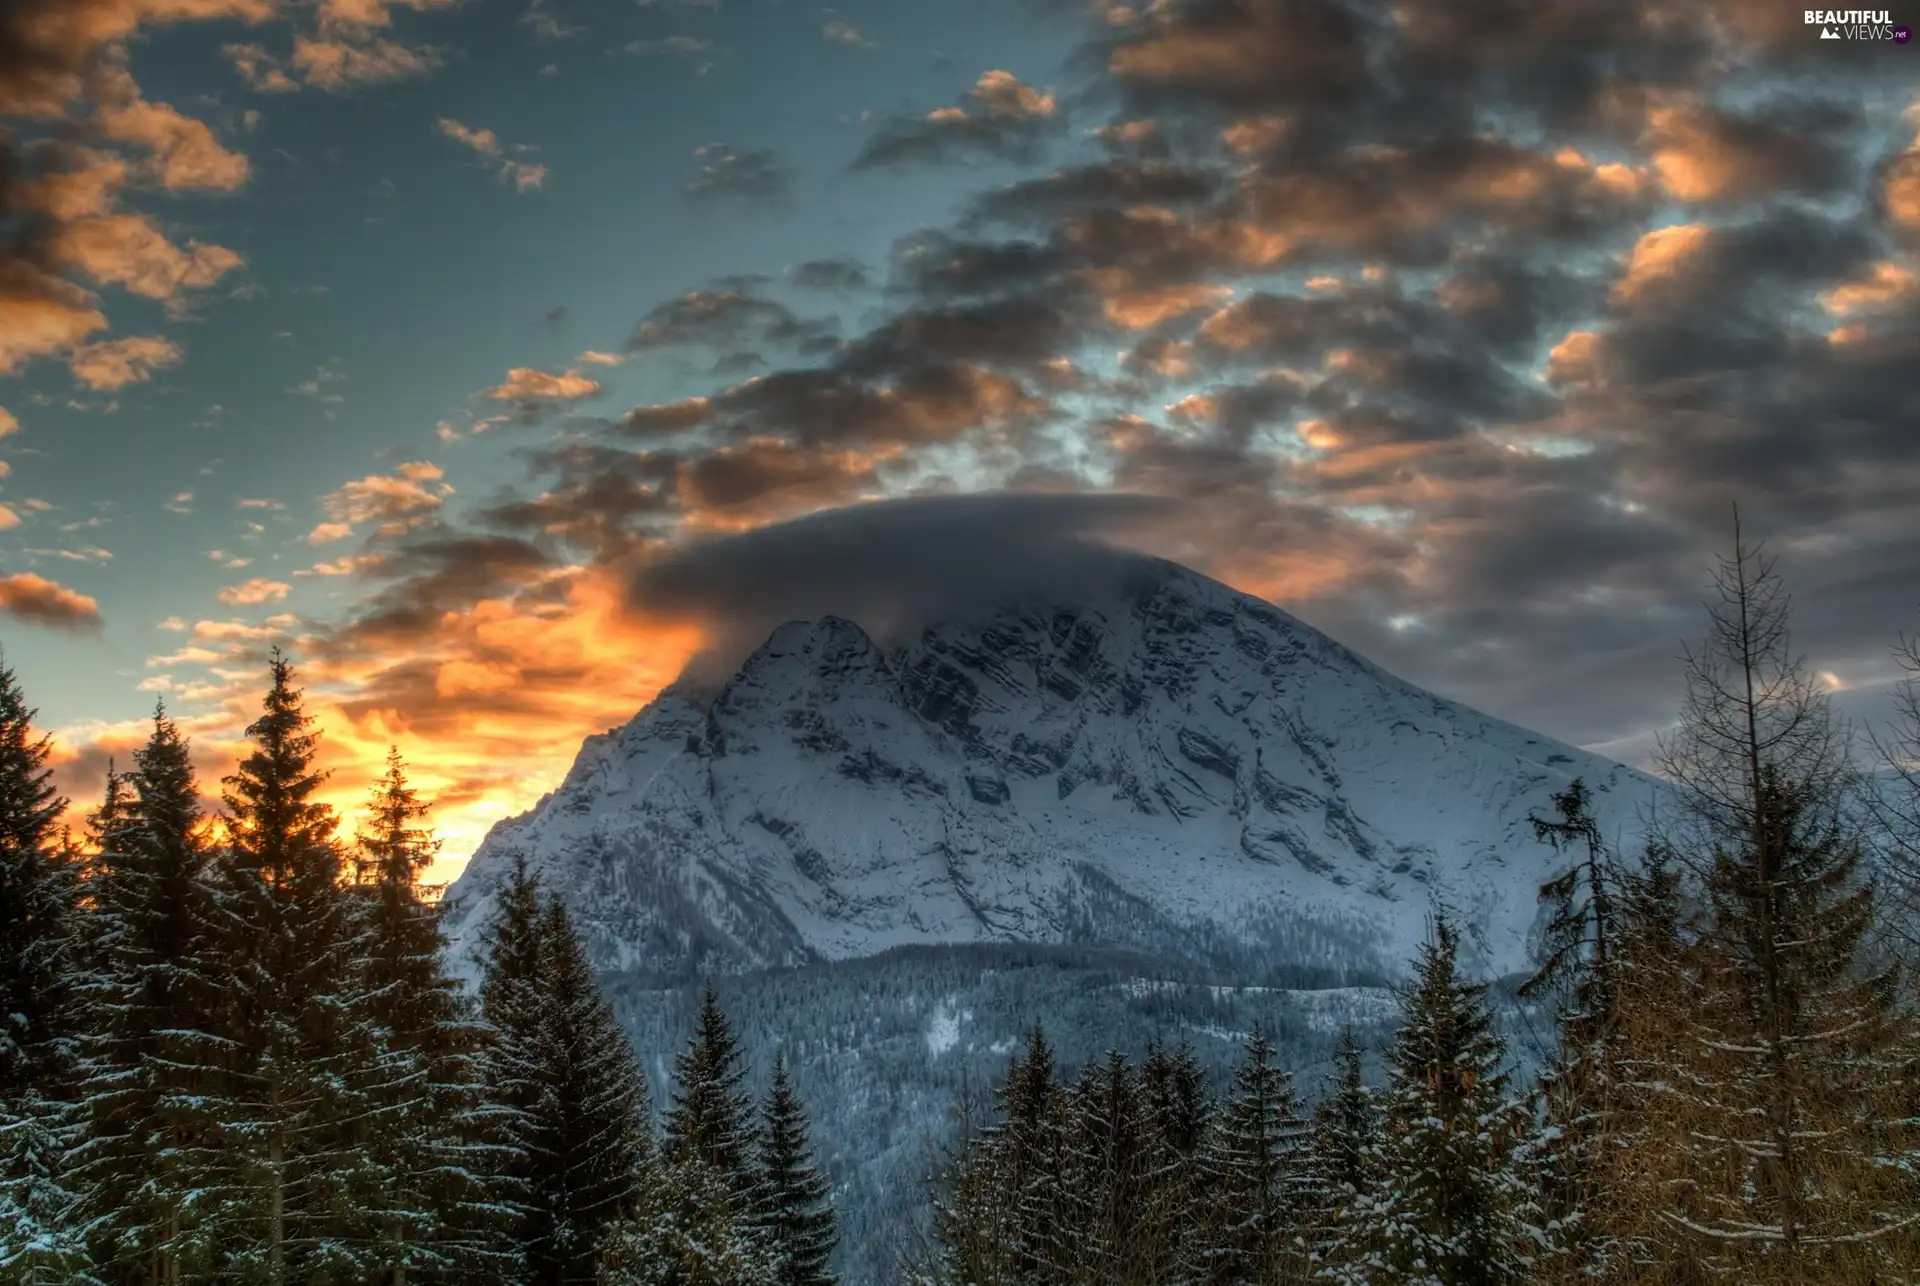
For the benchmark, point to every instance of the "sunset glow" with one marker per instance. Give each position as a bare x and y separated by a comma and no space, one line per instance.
462,351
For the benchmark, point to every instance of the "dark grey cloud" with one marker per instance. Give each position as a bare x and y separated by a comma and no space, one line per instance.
1241,55
834,276
1084,187
1505,300
1014,332
1415,202
939,266
597,499
1788,143
727,317
427,573
753,180
894,566
933,402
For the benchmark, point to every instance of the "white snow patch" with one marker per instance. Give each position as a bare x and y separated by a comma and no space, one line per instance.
943,1032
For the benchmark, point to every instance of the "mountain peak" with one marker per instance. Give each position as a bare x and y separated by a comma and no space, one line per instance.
1162,763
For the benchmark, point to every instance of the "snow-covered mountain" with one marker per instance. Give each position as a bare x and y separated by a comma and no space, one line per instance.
1164,765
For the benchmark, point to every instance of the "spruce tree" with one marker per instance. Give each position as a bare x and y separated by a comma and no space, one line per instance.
1345,1148
151,1050
691,1228
792,1208
1896,806
1004,1217
38,895
1641,1163
1449,1206
1177,1117
39,958
298,1047
710,1117
421,1146
589,1139
1258,1178
511,1006
40,1241
972,1215
1030,1146
1579,1088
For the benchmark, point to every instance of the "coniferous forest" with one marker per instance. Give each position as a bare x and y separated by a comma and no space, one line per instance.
231,1052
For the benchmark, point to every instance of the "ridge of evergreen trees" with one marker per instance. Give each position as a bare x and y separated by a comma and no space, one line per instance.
729,1201
232,1054
1132,1176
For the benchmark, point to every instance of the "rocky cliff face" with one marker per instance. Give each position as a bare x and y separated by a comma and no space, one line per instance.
1169,766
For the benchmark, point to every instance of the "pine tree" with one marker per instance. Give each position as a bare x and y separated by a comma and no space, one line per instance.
791,1195
39,958
40,1243
1026,1161
969,1239
151,1052
710,1117
1783,1118
1106,1180
1638,1164
511,1005
1002,1215
1579,1089
299,1050
692,1228
1896,807
589,1137
1177,1118
421,1147
38,895
1448,1206
1345,1147
1259,1181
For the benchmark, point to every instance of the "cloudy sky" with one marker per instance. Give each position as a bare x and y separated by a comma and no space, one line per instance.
461,345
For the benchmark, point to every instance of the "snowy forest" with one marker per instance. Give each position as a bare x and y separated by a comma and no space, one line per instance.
232,1052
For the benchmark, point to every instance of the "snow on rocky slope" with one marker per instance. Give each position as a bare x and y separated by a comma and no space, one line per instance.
1166,765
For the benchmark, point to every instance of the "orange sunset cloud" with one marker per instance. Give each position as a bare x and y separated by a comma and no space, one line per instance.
489,711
